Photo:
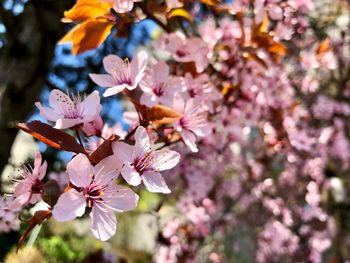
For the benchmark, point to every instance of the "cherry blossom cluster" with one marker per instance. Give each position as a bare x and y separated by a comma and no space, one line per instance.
94,186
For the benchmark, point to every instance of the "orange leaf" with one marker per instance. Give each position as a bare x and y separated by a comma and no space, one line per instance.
211,2
88,35
180,12
51,136
324,47
264,24
87,10
277,49
160,114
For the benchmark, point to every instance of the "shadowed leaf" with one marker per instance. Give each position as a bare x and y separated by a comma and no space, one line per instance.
51,136
51,192
104,150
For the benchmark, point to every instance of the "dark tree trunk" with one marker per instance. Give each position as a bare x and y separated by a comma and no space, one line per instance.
25,62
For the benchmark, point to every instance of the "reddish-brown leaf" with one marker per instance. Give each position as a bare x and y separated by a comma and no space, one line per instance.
37,219
51,136
104,150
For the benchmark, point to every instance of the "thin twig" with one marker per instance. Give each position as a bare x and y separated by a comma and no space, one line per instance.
149,15
131,133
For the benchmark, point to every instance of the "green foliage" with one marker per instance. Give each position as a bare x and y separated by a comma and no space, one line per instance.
148,201
56,249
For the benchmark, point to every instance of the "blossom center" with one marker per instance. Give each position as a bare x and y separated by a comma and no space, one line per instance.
158,89
141,164
71,107
37,186
122,73
185,123
93,193
181,53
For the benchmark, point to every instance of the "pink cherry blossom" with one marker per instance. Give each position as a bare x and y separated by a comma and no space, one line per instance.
193,122
121,74
201,89
8,217
187,49
158,87
29,188
122,6
174,4
95,187
140,163
94,127
106,132
68,112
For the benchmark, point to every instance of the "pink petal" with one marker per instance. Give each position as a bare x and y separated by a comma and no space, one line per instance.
115,90
120,198
155,183
203,130
164,159
123,6
48,113
80,170
57,98
91,107
64,123
142,144
103,223
179,103
42,170
149,99
189,139
275,12
138,66
23,187
190,105
259,11
130,175
103,80
167,99
175,41
105,172
20,201
70,205
161,72
35,198
37,164
123,151
108,165
111,63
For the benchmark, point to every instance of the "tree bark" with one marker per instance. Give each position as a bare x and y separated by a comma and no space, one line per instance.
25,61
